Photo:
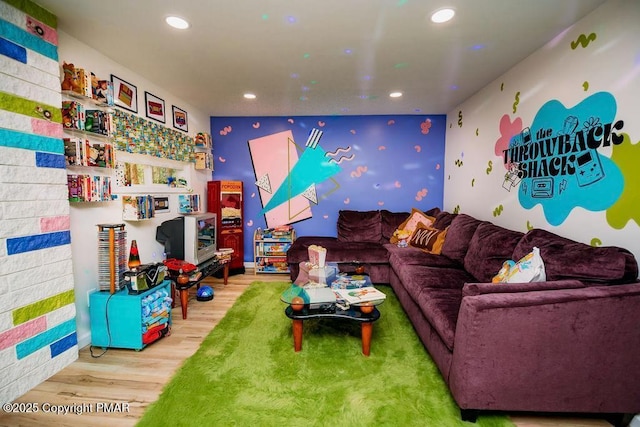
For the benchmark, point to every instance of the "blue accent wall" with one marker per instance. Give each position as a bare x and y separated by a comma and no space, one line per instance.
392,162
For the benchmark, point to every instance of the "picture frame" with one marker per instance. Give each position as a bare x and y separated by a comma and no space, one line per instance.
125,94
154,107
180,119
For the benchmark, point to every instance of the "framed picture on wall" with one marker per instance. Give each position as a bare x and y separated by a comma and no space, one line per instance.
180,120
125,94
154,107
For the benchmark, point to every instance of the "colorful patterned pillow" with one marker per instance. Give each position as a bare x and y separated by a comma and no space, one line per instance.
411,223
428,239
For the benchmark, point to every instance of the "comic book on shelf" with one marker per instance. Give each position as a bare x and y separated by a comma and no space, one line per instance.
99,122
72,151
103,92
98,154
82,152
73,115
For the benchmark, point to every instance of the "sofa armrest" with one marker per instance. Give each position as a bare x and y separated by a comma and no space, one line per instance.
568,350
471,289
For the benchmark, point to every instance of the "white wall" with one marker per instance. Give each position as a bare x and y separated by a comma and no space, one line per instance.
610,63
37,313
85,216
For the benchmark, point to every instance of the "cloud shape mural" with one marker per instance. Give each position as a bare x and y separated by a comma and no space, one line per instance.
557,165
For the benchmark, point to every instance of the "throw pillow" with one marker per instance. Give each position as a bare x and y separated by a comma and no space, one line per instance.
529,269
428,239
411,223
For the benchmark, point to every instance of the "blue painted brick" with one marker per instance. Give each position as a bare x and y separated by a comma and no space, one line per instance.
13,51
17,245
48,160
64,344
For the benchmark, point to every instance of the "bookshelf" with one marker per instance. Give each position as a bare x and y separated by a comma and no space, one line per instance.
203,156
87,123
270,248
138,208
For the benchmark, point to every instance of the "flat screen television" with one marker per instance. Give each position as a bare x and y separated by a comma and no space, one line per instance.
191,238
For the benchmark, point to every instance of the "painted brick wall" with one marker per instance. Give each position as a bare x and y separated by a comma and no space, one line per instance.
37,311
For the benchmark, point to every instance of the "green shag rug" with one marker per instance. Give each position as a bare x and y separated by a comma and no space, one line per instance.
246,373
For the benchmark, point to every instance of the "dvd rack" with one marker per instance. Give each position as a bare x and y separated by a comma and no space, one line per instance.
112,257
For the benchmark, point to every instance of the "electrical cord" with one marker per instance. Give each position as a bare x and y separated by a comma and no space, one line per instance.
106,316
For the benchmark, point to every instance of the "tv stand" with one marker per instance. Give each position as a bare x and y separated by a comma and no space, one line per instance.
207,268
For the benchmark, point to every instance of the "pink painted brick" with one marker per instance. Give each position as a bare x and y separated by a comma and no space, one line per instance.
22,332
55,223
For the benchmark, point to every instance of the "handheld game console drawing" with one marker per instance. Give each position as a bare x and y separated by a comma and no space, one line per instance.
588,168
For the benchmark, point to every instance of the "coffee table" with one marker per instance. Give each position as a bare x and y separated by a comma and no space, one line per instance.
206,269
319,302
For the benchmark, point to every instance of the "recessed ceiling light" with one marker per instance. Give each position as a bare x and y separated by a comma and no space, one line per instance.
395,94
177,22
442,15
250,96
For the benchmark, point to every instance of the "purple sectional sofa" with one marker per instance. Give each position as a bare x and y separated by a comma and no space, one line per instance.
569,344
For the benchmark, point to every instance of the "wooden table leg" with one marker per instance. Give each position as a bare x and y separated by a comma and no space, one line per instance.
297,335
184,298
225,273
366,329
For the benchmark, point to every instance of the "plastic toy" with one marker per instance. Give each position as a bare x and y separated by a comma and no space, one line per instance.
205,293
69,81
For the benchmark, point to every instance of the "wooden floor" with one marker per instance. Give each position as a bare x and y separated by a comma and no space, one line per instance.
132,380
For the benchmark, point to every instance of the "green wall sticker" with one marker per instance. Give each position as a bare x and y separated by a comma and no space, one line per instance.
583,40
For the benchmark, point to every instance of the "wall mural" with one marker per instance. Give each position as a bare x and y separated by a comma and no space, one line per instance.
304,170
556,163
287,183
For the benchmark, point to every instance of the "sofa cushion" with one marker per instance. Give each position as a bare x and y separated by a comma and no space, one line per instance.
390,222
414,256
458,237
298,252
567,259
411,223
415,278
473,289
443,220
358,251
359,226
428,239
490,246
338,251
441,306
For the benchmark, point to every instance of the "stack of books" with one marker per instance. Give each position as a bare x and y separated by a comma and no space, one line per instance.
224,254
87,188
137,207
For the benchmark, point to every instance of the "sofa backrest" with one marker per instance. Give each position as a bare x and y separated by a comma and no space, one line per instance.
390,223
567,259
359,226
458,237
372,226
443,220
490,246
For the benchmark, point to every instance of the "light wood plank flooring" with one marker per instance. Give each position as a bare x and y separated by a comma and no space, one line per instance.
137,378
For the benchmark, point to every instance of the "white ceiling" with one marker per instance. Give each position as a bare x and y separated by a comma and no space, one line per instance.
292,53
